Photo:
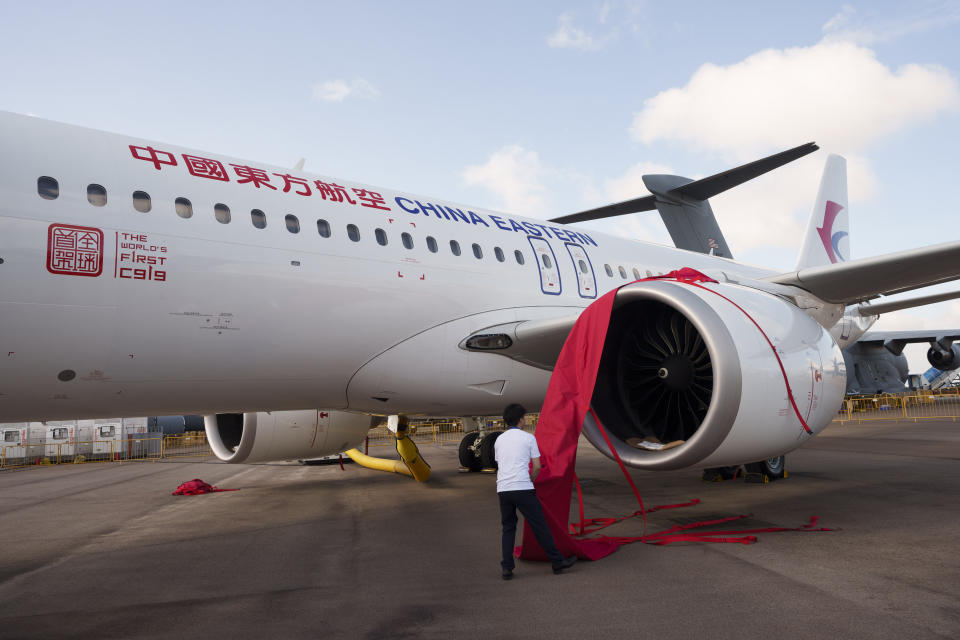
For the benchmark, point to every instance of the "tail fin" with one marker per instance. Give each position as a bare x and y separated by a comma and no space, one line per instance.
828,233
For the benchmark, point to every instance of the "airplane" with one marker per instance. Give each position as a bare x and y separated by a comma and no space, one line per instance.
875,362
141,278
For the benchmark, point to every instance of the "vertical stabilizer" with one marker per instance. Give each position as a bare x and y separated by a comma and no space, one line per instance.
827,240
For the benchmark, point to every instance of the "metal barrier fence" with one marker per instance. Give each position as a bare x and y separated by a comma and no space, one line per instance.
920,405
145,447
446,431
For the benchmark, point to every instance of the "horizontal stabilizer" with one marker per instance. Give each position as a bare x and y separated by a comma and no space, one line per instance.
698,189
859,280
897,305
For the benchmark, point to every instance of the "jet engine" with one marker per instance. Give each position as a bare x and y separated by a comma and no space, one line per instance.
283,435
682,363
944,359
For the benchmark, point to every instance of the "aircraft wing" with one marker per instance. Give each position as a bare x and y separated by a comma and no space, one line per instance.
859,280
894,341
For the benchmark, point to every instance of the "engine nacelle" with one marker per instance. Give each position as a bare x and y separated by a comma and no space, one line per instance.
944,359
682,363
284,435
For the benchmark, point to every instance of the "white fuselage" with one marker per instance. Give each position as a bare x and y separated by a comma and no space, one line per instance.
150,312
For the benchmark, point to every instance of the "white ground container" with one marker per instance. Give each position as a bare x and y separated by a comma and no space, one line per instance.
108,438
13,437
61,439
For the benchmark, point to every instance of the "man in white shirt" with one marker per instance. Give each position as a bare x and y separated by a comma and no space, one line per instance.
514,450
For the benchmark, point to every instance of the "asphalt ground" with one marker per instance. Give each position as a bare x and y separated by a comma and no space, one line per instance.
105,551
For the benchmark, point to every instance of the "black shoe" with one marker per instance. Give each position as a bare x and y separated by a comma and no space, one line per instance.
566,564
507,574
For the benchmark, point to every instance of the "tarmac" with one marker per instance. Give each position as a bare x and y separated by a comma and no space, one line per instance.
106,551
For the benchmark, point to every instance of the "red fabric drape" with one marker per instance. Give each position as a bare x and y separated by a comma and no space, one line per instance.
558,430
196,487
561,420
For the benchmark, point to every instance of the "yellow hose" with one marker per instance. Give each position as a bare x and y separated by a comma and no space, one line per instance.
411,463
379,464
410,455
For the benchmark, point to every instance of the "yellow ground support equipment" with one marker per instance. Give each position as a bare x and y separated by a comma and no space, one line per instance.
411,463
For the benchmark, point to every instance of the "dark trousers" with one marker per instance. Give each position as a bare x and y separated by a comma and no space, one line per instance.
529,505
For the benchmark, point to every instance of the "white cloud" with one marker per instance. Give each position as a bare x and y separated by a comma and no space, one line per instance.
515,175
339,90
840,20
835,93
568,36
849,26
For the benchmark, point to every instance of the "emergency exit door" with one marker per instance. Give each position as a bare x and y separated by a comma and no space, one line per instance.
547,263
586,279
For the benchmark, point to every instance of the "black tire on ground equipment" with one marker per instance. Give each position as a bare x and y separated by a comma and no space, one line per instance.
487,454
467,452
771,467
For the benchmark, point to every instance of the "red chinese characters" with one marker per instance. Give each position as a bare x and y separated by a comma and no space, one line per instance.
289,182
211,169
205,168
153,155
371,199
333,192
74,251
251,174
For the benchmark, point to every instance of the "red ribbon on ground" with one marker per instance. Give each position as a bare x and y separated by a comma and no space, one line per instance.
558,430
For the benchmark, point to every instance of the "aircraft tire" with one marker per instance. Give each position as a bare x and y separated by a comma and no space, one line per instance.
771,467
469,459
487,454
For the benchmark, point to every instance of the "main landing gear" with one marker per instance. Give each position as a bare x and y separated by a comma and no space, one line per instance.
476,451
760,472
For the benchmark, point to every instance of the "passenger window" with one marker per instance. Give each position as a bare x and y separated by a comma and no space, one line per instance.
323,228
407,240
141,201
519,256
497,251
258,218
477,251
649,273
609,271
455,247
293,225
222,213
636,273
623,273
48,188
547,262
582,265
183,207
432,244
11,436
353,233
381,237
96,195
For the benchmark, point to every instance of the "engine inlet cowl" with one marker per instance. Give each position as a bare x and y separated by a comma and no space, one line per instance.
682,364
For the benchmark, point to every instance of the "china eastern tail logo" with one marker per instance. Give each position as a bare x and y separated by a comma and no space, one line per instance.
831,240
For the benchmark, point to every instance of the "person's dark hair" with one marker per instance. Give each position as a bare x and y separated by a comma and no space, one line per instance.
513,413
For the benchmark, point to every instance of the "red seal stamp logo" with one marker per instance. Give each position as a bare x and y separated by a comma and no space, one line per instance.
74,251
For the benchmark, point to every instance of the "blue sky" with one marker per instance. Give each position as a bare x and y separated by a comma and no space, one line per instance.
536,108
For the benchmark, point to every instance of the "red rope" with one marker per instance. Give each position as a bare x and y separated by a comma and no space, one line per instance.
783,371
677,533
